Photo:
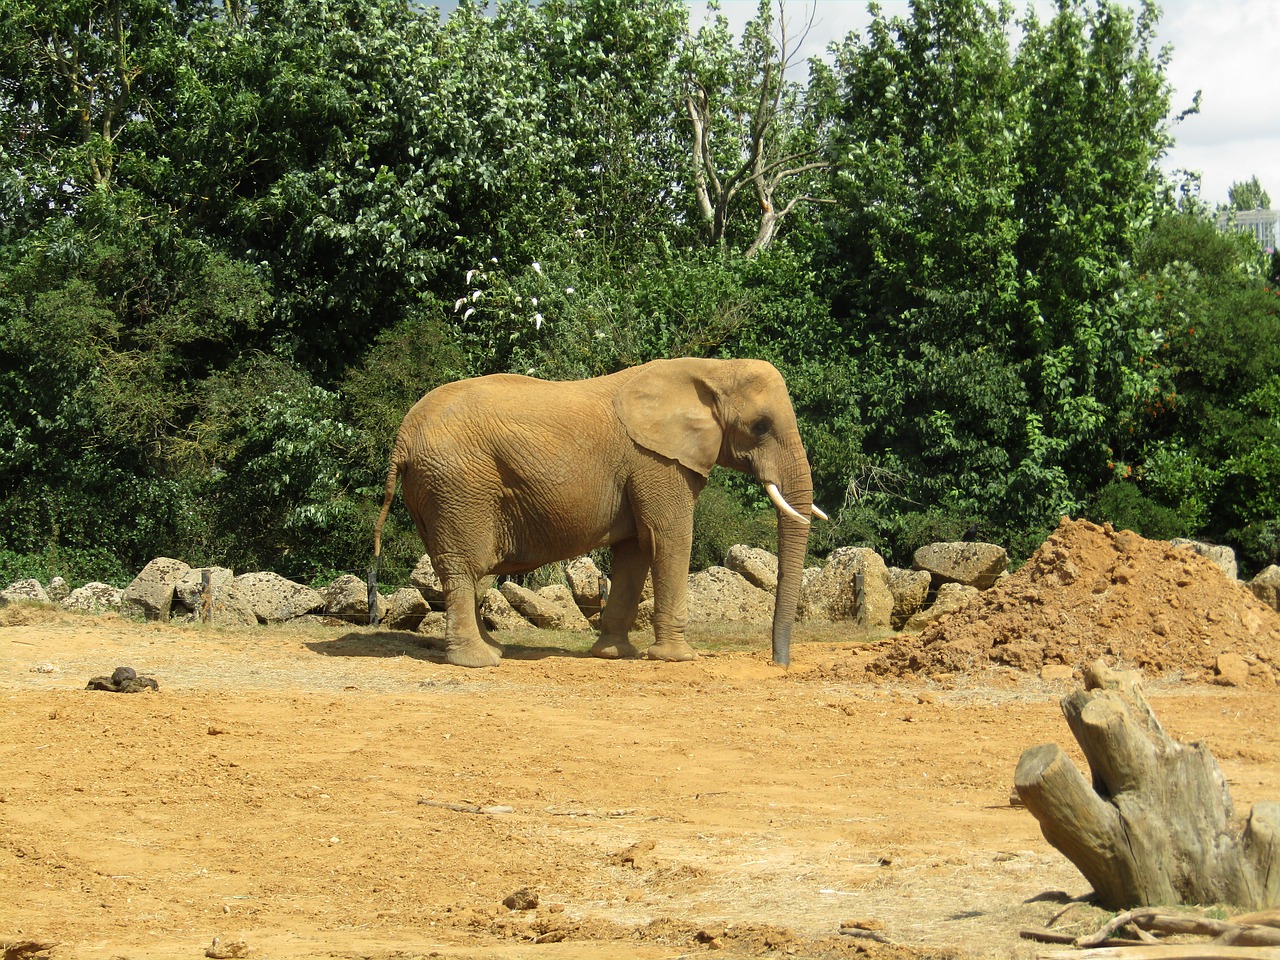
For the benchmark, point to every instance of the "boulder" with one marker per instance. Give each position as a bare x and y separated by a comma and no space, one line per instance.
950,598
274,598
552,611
1223,557
189,588
759,566
910,589
425,581
719,595
406,609
24,590
970,563
94,598
644,614
58,590
433,624
498,613
347,598
151,592
589,586
226,607
572,617
1266,586
833,594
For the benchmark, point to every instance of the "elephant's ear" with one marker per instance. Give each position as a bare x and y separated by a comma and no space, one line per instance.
670,408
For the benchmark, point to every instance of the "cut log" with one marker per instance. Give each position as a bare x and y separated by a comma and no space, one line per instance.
1155,825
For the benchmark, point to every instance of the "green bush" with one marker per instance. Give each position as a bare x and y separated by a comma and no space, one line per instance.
723,518
1122,504
76,566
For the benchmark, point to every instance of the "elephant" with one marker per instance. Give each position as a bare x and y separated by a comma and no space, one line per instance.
505,473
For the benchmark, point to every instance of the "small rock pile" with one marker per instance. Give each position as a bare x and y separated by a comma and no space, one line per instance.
1091,591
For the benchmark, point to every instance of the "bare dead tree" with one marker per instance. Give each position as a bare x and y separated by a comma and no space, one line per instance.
760,164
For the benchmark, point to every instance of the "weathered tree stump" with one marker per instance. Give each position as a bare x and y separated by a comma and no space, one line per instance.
1155,826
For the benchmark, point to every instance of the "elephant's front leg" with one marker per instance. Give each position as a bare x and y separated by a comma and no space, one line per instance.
629,568
671,599
666,524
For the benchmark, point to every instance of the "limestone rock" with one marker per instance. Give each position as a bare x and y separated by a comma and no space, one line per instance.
426,582
226,607
406,609
151,592
832,594
274,598
433,624
910,589
759,566
972,564
94,597
1223,557
546,612
644,614
1266,586
571,615
589,586
58,590
347,598
498,612
950,598
24,590
719,595
187,591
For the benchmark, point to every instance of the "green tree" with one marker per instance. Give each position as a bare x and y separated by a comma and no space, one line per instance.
1204,437
1248,195
989,203
111,318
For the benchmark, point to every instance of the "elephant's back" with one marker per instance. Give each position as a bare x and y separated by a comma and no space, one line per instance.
506,411
508,395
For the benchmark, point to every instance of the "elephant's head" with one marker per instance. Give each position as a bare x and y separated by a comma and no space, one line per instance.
738,414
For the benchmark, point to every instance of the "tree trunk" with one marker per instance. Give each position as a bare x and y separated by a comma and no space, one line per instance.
1155,826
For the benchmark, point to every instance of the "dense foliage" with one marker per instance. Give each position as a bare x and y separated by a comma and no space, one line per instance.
238,240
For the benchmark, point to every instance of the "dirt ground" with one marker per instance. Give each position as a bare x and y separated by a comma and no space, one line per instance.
329,791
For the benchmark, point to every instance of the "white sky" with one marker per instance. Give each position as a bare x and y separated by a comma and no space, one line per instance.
1228,49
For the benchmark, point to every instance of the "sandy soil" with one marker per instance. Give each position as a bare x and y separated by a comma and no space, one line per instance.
338,792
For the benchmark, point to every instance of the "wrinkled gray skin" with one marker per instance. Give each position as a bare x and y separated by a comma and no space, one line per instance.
503,474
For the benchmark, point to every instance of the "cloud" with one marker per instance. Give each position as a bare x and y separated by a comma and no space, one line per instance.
1228,49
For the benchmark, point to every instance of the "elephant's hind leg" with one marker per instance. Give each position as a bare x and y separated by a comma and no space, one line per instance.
629,568
466,644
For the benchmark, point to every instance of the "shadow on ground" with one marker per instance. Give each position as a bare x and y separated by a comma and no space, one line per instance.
403,643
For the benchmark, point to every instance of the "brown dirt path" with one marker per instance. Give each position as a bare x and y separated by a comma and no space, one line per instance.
273,793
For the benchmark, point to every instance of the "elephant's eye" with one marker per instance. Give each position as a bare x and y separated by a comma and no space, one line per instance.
762,426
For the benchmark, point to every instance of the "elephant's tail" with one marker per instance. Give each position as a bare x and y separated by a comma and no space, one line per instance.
388,495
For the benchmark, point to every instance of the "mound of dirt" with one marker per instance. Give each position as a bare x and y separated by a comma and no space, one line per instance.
1091,591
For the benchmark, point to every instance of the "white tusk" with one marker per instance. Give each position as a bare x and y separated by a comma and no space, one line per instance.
817,512
782,505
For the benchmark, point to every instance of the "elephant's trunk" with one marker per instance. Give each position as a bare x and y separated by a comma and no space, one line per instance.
793,537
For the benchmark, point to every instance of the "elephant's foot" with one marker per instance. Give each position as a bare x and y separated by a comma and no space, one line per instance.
674,650
473,653
611,648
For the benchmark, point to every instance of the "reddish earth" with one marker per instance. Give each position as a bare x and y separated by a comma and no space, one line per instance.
339,792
